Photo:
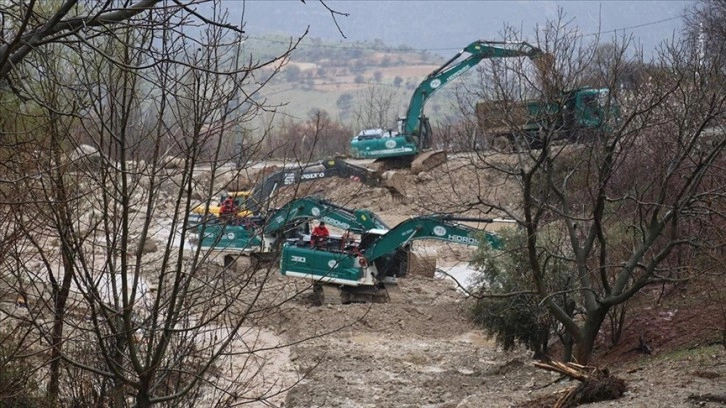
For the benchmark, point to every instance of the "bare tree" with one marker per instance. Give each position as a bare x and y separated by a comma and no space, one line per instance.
375,108
123,128
705,30
316,138
28,25
626,200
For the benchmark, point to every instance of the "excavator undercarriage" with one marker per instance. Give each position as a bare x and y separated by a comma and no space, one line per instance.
327,294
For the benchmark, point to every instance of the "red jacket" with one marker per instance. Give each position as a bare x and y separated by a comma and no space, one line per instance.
321,231
228,206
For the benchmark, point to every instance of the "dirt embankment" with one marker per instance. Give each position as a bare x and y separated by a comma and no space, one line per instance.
423,352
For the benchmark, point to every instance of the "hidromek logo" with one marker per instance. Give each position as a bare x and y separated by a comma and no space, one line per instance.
463,240
336,223
460,71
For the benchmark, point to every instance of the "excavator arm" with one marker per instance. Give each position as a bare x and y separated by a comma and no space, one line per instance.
413,123
262,192
313,207
438,227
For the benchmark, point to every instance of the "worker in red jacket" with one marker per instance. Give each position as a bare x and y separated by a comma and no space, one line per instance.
320,233
228,210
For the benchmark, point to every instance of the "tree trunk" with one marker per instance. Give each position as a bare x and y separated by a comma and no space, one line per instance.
56,339
567,342
585,345
60,292
60,296
118,359
142,400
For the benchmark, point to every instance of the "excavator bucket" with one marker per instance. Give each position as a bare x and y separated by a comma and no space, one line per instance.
428,160
395,183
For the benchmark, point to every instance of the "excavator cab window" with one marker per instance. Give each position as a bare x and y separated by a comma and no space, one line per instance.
370,134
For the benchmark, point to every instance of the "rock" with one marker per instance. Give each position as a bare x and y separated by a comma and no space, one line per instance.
149,246
423,177
85,152
85,157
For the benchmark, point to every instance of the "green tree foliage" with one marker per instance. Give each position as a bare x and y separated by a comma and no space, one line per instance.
507,306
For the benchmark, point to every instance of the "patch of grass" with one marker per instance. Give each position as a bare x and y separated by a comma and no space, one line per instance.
698,352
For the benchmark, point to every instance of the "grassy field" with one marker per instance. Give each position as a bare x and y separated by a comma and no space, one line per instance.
298,99
323,73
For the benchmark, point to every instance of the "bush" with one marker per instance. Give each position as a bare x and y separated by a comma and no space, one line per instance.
518,318
18,389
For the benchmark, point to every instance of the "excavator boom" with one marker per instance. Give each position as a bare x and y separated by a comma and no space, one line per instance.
254,202
450,70
437,227
262,191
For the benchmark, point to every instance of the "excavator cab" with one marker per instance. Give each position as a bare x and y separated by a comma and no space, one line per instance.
590,104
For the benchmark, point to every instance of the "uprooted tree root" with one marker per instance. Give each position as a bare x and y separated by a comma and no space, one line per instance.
595,385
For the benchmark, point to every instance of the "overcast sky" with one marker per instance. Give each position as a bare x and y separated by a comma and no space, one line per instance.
450,25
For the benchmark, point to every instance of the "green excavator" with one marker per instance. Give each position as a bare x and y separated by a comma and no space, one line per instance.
261,237
360,270
412,146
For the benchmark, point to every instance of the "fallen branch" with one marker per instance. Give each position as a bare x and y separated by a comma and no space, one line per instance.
595,385
708,398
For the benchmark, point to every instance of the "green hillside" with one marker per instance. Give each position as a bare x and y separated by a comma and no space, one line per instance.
341,77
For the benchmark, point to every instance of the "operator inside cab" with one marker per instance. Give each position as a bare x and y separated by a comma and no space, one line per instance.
319,235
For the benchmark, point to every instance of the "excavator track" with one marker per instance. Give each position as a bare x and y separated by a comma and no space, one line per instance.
428,160
334,295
